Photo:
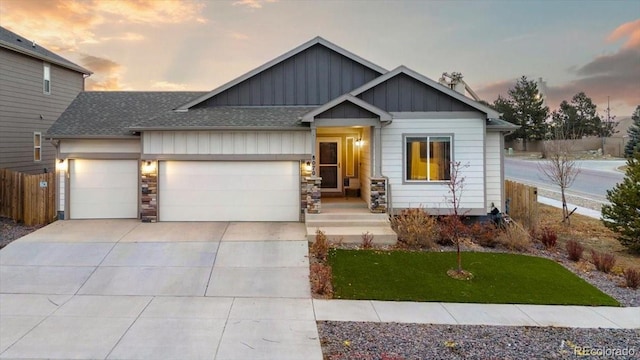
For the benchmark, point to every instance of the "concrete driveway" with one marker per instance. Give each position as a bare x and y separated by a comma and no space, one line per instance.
121,289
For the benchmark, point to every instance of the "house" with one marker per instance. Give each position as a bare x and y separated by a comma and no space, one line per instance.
272,143
36,85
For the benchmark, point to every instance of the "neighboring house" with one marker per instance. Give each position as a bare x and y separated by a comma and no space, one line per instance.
36,86
247,150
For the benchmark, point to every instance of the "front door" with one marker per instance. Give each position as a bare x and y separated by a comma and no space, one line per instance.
328,150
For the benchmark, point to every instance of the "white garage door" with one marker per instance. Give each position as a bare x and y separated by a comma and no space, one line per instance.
103,189
229,191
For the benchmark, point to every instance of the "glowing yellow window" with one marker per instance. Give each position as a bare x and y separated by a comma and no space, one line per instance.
428,158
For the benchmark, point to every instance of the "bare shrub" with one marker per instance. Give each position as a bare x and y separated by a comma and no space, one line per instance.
321,277
548,238
574,250
320,246
367,240
415,228
604,262
484,234
514,237
632,278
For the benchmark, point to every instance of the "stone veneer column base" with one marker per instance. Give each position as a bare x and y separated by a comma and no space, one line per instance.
378,195
313,195
149,194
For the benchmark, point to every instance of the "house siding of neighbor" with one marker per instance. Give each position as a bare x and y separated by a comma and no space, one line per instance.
28,106
317,116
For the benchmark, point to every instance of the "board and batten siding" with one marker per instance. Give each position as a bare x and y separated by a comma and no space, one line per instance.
468,149
22,101
226,142
311,77
493,153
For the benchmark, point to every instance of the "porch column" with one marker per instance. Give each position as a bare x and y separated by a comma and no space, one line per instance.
377,152
313,150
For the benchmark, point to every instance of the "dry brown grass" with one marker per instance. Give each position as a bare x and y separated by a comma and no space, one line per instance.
587,231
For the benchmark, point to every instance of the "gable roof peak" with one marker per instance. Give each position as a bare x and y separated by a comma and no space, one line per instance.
434,84
316,40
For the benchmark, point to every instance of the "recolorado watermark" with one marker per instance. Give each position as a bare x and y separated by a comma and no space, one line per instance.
603,351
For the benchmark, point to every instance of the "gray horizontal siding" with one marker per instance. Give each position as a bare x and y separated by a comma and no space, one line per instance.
312,77
404,93
22,101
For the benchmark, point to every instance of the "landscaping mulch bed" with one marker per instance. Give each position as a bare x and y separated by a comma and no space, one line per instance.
393,341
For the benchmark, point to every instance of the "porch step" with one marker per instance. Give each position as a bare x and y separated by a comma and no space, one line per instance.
353,234
353,217
342,222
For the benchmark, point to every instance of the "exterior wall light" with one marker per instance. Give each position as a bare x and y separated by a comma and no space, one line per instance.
148,167
359,142
308,166
61,165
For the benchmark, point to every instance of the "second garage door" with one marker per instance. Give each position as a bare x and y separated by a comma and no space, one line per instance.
229,191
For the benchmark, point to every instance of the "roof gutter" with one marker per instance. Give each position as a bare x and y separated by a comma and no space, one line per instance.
204,128
91,137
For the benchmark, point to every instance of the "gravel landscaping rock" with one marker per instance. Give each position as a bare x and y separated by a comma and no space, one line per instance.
351,340
11,230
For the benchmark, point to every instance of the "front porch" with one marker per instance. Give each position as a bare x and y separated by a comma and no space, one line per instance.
343,165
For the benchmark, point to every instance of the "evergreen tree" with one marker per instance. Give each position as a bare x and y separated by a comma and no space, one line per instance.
623,215
525,107
634,135
576,119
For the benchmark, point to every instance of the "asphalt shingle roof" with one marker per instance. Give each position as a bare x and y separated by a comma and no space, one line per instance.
229,117
14,41
111,113
501,124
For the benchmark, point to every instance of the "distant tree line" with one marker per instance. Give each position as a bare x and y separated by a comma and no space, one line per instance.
574,119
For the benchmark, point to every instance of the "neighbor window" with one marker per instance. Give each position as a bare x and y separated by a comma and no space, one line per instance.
46,84
37,146
428,158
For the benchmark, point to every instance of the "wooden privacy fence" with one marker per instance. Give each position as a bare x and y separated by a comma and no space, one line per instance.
522,202
28,198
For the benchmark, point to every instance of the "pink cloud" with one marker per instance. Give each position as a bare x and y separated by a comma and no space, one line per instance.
106,74
253,4
615,76
629,30
62,25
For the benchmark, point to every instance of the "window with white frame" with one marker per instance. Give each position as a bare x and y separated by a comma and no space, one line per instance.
46,82
37,146
428,158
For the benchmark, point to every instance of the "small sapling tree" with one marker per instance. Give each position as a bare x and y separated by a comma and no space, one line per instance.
561,169
453,227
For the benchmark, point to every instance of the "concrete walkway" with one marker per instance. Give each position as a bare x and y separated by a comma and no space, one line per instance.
581,210
477,314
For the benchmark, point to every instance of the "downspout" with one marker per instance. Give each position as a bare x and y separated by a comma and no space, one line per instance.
386,179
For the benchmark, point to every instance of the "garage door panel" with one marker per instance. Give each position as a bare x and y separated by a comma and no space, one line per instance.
103,189
225,213
112,196
102,181
229,191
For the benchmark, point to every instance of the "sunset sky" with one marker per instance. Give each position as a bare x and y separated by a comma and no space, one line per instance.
591,46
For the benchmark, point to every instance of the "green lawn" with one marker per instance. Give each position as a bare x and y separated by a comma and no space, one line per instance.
421,276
